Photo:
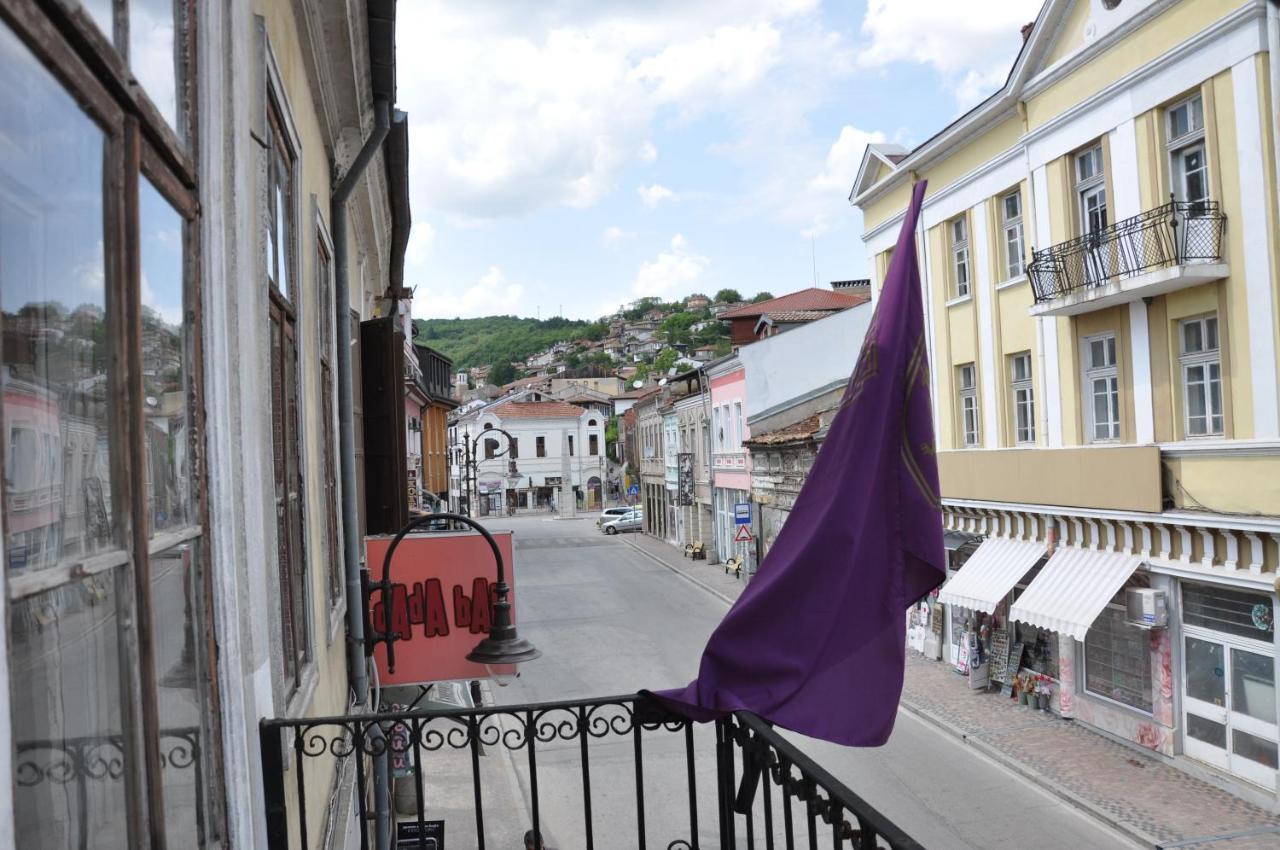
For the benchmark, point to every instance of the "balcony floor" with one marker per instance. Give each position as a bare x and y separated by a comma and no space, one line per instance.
1125,289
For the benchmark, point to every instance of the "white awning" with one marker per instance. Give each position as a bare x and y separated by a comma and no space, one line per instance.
990,573
1073,588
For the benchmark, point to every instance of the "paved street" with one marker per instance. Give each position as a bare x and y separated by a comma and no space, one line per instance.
610,620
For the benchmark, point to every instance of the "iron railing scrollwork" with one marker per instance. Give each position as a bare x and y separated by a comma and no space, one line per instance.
1171,234
624,763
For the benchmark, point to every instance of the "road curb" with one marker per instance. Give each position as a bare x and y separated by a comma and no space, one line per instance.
708,588
1010,763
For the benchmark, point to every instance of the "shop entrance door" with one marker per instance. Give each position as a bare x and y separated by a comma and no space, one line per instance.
1229,705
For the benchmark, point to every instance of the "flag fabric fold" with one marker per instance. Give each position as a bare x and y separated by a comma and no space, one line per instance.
816,642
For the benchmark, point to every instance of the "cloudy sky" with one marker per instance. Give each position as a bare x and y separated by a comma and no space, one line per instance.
571,155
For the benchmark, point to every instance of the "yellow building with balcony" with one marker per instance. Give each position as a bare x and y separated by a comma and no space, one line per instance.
1100,253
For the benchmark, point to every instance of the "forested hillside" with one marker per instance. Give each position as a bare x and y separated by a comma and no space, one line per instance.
500,339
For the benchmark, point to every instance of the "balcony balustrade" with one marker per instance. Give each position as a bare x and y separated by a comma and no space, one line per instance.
735,782
1170,247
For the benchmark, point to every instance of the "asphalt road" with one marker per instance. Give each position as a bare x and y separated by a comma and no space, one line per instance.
610,620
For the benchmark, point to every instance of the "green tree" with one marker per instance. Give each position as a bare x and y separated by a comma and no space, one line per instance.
665,360
502,373
723,347
572,360
611,437
762,296
728,296
676,327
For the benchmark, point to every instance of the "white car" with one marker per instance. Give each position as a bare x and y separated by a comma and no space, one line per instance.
632,520
609,514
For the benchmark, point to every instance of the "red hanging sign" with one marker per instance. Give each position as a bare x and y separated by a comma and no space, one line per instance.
441,603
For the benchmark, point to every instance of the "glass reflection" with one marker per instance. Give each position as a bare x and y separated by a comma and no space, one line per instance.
173,586
152,56
100,11
164,368
64,661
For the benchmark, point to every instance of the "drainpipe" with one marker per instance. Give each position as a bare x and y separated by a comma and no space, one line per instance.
357,676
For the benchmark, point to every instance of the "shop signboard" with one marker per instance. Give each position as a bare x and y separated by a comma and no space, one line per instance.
1013,663
999,654
684,482
441,603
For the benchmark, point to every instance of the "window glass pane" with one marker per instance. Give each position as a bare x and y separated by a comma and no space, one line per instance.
1253,685
1012,206
1178,121
1207,731
1118,660
1254,748
1097,353
1211,333
1205,672
165,371
283,212
1111,351
1225,609
152,56
52,320
1192,338
174,581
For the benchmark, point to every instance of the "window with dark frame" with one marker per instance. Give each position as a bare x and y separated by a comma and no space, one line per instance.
99,213
540,446
328,413
593,446
280,258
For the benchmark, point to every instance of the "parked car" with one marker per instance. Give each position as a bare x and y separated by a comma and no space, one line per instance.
632,520
612,513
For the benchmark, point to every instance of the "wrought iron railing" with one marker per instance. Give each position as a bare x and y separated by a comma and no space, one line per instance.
1168,235
609,772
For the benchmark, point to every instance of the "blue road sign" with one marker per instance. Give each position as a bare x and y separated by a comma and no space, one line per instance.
634,490
742,513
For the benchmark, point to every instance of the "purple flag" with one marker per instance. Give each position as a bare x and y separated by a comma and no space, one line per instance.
816,642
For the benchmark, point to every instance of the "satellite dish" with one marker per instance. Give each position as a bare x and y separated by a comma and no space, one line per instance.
637,384
662,383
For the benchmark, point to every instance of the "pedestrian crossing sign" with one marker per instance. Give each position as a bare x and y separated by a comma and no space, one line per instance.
743,535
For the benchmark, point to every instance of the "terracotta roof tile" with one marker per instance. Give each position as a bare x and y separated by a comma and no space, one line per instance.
812,298
801,430
537,410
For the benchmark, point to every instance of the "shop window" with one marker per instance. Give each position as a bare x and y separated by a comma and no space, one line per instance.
1102,388
1014,255
1117,660
1228,609
967,382
1024,403
958,231
1201,364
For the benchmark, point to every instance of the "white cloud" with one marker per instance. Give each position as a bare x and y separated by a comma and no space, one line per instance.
843,159
613,234
648,151
968,42
672,272
422,236
654,194
491,295
728,60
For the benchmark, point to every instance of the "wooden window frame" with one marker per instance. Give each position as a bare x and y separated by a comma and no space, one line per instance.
967,397
139,144
326,334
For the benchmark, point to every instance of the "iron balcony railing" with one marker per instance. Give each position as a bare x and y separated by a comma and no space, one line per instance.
1168,235
610,772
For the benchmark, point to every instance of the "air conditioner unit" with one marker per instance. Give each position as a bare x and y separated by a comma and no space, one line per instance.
1146,608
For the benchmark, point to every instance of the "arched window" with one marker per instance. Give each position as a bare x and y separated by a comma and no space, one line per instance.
591,422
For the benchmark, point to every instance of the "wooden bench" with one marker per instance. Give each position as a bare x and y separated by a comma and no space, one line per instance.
734,565
696,551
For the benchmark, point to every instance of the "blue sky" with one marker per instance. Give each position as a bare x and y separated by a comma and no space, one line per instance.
573,156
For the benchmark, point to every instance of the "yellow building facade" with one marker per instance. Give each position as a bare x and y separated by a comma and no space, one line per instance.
1100,255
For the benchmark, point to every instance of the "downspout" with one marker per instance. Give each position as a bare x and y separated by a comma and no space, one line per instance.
357,674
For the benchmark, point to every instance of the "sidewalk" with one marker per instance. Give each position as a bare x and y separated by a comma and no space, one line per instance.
1154,803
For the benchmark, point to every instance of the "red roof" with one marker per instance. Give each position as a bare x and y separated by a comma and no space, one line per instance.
537,410
812,298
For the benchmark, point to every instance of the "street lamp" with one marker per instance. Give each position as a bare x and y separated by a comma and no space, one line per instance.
470,463
500,649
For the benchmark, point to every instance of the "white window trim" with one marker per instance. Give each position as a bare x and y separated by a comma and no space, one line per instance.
960,257
969,393
1091,185
1091,373
1201,358
1174,147
1007,224
1016,385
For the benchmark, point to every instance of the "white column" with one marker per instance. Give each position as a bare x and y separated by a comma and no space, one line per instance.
1140,361
1127,201
1257,252
926,298
984,289
1047,327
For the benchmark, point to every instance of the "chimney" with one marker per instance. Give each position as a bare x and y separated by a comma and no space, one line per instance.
1026,31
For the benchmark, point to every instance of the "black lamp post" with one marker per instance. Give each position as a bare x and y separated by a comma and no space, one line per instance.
470,463
500,649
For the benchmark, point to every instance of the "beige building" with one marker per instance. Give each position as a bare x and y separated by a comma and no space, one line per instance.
1099,249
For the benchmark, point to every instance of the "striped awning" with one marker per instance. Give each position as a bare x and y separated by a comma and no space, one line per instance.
1073,588
990,573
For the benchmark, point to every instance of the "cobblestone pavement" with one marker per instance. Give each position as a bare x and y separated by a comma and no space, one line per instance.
1149,800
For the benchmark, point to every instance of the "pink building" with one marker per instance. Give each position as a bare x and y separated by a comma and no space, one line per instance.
730,462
